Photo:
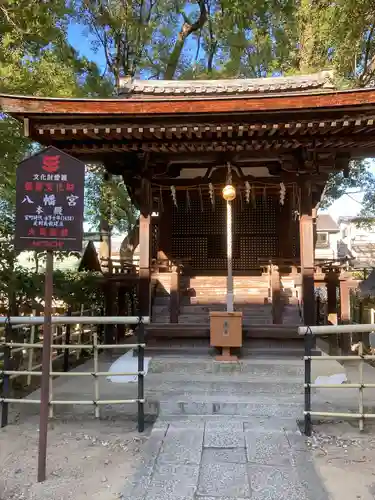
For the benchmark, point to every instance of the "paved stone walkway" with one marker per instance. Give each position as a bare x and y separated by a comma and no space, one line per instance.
225,458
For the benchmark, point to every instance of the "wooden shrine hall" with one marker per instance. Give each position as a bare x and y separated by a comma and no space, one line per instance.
176,143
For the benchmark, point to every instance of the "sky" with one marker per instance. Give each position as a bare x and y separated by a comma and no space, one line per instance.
349,204
81,40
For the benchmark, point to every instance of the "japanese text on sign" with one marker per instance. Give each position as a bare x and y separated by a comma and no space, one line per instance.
50,189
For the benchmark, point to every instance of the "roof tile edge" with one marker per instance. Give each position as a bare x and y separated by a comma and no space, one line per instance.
300,83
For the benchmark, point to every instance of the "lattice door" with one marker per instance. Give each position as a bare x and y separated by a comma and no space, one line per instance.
199,232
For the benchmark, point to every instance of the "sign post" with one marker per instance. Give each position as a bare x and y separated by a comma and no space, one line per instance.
49,216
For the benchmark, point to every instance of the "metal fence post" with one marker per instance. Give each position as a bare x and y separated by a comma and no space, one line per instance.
308,348
67,342
141,359
6,378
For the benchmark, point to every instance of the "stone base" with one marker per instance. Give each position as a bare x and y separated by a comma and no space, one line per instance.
226,356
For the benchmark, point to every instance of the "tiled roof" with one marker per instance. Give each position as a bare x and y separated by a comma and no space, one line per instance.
324,222
130,87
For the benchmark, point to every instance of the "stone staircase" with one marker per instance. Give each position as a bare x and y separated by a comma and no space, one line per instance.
220,426
202,294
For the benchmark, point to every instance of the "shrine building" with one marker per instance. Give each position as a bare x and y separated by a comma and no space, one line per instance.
176,144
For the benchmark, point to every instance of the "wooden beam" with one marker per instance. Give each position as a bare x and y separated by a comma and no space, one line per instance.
276,296
174,298
144,290
307,253
332,283
345,343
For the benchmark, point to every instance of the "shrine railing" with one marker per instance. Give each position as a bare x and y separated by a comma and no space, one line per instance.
61,334
95,347
309,332
117,265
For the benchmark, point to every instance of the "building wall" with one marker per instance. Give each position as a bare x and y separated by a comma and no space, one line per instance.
358,241
331,251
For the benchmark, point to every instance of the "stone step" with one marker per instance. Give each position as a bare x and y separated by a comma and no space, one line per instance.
198,309
223,288
262,369
207,299
255,407
202,331
244,383
205,320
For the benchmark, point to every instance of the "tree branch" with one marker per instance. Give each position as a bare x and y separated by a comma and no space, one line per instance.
366,63
186,30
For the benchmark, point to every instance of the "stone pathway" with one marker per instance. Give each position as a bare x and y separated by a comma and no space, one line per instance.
228,432
225,458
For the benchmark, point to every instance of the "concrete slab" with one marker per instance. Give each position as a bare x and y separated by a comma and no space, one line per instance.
224,435
181,446
219,480
276,483
171,482
268,448
224,455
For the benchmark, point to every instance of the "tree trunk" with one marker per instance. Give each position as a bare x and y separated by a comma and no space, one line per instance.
130,243
186,30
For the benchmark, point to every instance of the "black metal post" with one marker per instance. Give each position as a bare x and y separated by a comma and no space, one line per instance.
309,341
318,309
67,342
5,393
141,391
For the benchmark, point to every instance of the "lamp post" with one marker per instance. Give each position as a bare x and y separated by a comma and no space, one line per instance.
229,194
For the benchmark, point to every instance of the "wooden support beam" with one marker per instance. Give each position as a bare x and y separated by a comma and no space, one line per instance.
345,340
276,296
332,283
344,301
144,290
307,254
174,300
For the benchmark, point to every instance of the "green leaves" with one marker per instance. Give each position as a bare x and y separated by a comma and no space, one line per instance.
360,176
107,200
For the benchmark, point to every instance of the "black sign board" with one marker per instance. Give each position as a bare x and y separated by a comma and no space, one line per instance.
49,202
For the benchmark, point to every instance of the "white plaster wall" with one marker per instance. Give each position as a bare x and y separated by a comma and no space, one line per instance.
329,253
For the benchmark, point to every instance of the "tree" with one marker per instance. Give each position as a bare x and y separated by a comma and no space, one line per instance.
176,39
113,194
338,185
121,30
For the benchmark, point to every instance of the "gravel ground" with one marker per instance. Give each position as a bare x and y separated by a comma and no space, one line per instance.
345,463
86,458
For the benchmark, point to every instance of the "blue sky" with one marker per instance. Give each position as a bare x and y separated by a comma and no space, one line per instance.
81,40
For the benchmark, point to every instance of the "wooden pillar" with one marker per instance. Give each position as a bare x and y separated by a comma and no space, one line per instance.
165,231
105,250
345,340
144,265
174,295
307,254
276,296
332,283
344,302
